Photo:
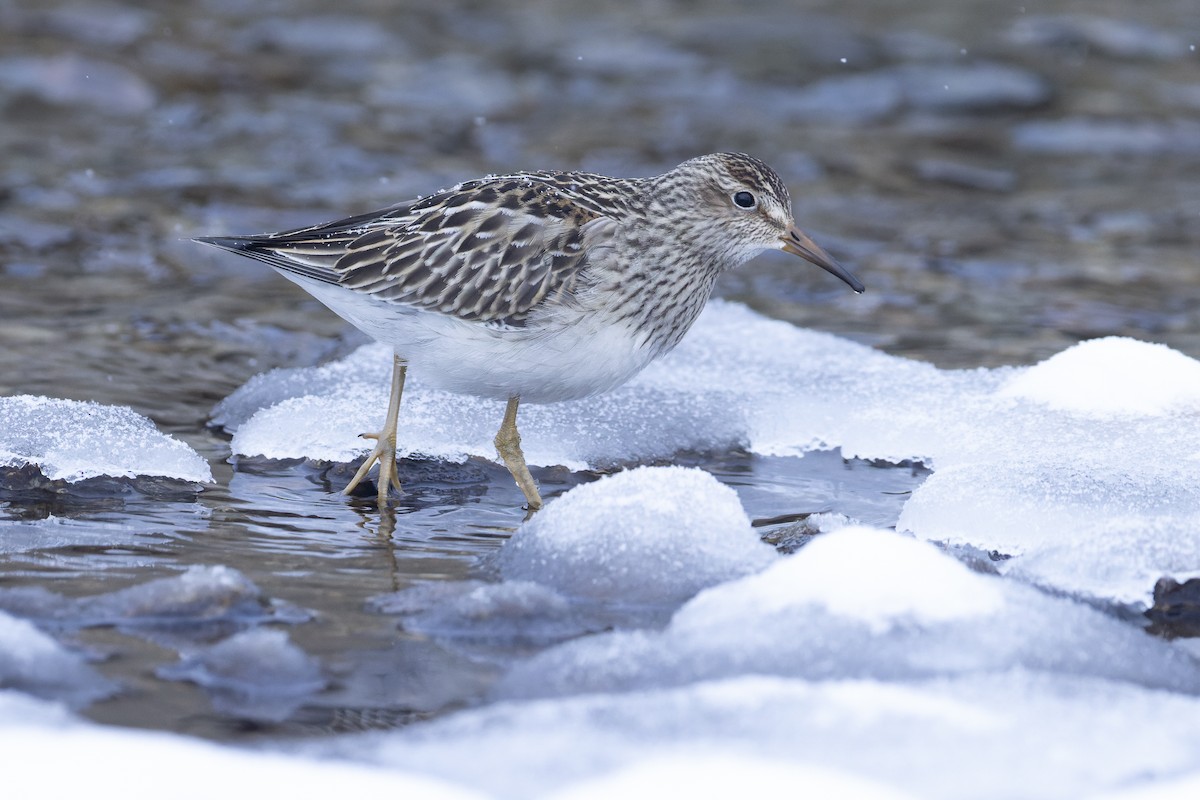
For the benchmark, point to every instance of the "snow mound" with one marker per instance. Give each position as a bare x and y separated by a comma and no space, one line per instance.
894,583
1110,376
71,441
859,603
645,536
951,737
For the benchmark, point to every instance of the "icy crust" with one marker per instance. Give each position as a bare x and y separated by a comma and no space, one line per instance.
864,603
738,378
868,663
997,735
1082,467
70,440
34,734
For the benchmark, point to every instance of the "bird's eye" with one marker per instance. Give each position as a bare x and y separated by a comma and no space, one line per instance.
744,200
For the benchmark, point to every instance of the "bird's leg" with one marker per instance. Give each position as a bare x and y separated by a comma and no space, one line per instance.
385,441
508,444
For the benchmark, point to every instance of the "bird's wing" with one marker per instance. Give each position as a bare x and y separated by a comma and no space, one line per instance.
485,250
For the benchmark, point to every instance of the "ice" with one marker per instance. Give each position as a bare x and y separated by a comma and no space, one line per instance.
997,735
1092,452
1105,534
719,775
202,602
652,535
71,441
33,662
493,621
1087,479
51,532
863,603
737,379
257,674
34,737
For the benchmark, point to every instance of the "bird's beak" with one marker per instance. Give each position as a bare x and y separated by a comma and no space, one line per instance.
796,242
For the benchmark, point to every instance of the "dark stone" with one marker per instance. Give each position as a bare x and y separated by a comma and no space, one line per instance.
1176,609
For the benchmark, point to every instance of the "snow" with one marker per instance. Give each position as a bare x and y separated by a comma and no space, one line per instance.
35,738
71,441
1112,376
718,776
859,574
601,540
996,735
863,603
1080,468
644,636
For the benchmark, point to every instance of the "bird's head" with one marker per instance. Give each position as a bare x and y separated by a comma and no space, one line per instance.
745,205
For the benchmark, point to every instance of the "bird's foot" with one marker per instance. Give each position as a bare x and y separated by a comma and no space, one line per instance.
508,445
385,453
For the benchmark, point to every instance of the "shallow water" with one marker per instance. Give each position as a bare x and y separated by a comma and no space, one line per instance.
1053,196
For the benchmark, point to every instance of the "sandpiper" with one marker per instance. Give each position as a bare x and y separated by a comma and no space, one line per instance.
537,286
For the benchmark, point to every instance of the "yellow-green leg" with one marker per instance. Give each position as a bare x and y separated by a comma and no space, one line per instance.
508,444
385,441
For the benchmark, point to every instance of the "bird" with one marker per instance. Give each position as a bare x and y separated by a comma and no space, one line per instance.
536,287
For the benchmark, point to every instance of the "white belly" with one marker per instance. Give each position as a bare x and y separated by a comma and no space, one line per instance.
574,357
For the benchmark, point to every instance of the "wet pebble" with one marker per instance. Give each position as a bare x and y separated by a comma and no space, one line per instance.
1087,136
848,99
867,97
966,176
74,80
321,35
913,45
777,45
94,23
1095,34
980,87
459,87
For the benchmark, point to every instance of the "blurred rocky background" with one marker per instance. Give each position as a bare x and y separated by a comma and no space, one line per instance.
1007,179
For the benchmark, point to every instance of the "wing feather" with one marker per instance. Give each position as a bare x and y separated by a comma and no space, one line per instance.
487,250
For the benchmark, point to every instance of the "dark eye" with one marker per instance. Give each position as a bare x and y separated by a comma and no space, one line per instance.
744,200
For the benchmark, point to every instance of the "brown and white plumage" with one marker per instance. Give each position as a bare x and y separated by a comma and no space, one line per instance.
542,286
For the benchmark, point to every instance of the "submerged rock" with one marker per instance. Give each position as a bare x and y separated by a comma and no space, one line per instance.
33,662
200,603
255,674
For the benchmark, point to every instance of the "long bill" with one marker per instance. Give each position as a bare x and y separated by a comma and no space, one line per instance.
796,242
